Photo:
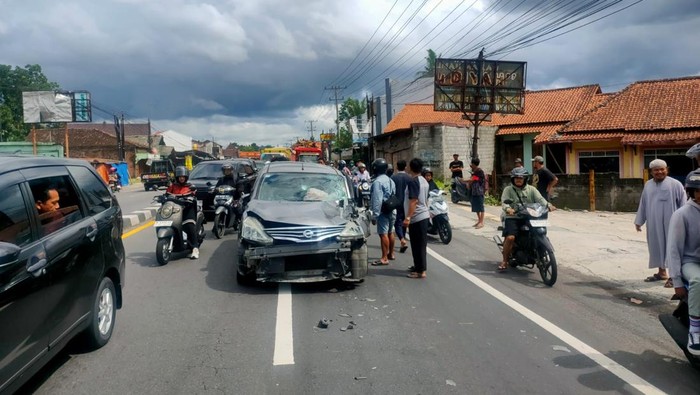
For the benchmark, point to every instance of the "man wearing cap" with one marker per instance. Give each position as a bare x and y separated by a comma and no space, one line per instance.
661,196
543,179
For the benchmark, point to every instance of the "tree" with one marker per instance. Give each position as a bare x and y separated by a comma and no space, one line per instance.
351,108
12,83
343,139
429,70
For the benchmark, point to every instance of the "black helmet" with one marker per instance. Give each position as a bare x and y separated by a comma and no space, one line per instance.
425,171
693,151
692,182
226,166
341,164
379,166
519,172
390,170
181,171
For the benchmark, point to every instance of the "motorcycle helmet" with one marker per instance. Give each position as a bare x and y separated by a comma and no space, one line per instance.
519,172
379,166
341,164
694,151
390,170
692,182
227,166
425,171
181,171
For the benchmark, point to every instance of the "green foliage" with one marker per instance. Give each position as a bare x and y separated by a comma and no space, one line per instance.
429,69
13,81
343,139
352,108
491,200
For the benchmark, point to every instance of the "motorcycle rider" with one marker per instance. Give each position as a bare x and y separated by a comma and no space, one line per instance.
683,256
427,173
362,173
227,178
519,192
342,166
181,188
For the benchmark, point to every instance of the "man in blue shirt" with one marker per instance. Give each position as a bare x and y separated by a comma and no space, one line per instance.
382,188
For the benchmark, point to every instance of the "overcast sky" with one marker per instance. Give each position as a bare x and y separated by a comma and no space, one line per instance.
255,70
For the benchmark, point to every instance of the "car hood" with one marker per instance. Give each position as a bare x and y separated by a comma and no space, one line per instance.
274,214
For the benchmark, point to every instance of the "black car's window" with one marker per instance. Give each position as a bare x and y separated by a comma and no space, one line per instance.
205,170
298,187
160,167
14,220
97,196
54,215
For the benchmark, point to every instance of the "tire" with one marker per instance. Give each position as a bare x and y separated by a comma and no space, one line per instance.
219,226
200,233
103,315
163,252
455,198
245,279
147,187
547,265
444,230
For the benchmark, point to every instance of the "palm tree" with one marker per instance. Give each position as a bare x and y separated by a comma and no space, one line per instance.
429,70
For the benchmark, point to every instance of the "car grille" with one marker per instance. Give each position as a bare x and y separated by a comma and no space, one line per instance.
304,234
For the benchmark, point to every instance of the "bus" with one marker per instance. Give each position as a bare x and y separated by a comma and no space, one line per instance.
267,154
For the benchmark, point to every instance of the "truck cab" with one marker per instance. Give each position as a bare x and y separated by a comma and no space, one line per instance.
158,174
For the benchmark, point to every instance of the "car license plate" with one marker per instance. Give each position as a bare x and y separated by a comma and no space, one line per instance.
221,197
159,224
539,223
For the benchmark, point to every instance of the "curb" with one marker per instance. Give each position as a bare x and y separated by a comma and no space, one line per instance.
138,217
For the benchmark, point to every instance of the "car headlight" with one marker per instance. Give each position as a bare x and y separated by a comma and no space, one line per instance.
351,231
253,231
166,211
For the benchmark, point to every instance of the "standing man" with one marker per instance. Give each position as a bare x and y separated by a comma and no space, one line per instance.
382,188
518,162
661,196
477,185
417,218
401,180
456,166
543,179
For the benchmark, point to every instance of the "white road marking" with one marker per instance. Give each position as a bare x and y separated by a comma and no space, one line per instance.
607,363
284,339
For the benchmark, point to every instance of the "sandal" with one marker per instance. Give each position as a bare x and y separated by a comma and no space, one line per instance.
668,283
391,258
379,263
655,277
502,267
416,275
403,249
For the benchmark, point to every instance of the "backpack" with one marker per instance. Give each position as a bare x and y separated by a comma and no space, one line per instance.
391,204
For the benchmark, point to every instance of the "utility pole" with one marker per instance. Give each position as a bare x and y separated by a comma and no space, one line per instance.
335,89
311,128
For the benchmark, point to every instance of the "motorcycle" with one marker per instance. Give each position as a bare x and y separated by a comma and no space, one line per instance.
439,222
114,186
532,246
168,225
677,325
227,213
363,193
460,192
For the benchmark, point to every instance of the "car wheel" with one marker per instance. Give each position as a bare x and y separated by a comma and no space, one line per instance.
243,276
104,311
358,262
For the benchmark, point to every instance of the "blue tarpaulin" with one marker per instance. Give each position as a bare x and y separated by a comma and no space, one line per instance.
123,171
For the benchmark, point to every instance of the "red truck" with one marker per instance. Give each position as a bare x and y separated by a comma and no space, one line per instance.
307,151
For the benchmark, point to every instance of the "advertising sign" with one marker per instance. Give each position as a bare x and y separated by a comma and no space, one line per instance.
478,85
327,136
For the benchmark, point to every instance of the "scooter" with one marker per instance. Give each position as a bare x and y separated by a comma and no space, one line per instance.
460,192
439,222
363,193
677,324
532,246
168,225
114,186
227,212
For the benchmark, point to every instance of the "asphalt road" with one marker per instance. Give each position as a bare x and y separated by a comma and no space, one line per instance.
187,327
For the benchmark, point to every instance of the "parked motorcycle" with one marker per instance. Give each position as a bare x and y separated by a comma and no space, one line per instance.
460,192
227,213
168,224
439,222
677,325
363,193
532,246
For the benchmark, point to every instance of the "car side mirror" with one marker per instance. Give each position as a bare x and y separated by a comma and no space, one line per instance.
9,253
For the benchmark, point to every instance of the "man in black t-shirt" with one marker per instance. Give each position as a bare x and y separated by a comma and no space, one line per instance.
456,166
543,179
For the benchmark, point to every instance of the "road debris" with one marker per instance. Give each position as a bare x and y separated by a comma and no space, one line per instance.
360,378
344,315
636,301
450,382
560,348
323,323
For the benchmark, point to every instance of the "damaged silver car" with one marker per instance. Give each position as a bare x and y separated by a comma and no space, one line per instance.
301,225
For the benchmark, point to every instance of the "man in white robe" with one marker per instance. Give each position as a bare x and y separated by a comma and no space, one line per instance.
662,196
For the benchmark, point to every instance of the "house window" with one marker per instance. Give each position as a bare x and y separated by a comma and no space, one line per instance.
678,164
600,161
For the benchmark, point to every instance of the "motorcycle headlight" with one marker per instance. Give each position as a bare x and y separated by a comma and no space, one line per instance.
351,231
253,231
166,211
535,213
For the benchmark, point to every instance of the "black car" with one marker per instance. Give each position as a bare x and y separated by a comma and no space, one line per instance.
205,175
61,261
301,225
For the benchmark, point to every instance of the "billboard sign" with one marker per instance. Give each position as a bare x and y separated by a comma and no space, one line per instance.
479,86
50,106
327,136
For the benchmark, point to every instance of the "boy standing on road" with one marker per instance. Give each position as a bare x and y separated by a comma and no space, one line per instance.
401,180
417,218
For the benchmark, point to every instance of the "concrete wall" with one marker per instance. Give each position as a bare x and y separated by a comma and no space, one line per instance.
612,193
